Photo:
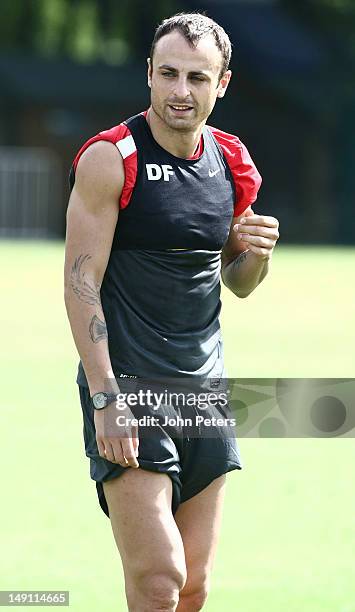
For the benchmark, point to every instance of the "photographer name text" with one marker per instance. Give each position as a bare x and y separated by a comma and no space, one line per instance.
151,421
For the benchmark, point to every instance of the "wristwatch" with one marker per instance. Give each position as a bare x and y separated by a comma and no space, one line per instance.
101,400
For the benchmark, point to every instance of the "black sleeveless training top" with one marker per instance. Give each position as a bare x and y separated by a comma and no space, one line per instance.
161,290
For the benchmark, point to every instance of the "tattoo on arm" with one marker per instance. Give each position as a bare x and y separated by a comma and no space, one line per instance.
85,290
242,257
97,329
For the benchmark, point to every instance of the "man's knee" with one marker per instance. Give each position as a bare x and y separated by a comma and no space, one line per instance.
160,589
193,597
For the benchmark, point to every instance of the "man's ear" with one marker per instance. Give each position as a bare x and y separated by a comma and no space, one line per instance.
149,74
223,83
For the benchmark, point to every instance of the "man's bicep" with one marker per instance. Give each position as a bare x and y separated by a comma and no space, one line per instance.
233,247
93,210
89,236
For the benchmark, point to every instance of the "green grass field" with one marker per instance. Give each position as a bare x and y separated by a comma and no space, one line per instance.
289,530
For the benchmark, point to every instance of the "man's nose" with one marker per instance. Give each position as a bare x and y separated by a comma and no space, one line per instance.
181,89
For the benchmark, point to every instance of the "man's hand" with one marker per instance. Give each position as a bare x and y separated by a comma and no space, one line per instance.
118,444
260,233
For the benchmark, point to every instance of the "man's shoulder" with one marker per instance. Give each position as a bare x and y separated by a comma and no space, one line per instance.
234,150
121,130
113,134
226,139
246,177
120,135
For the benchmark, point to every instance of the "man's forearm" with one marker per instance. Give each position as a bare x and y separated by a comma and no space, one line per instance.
244,273
87,321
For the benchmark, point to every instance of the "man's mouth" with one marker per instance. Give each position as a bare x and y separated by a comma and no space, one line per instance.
180,108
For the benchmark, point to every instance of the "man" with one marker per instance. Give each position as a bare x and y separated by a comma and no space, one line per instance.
148,223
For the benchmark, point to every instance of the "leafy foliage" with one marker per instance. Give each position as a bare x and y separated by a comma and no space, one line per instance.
84,30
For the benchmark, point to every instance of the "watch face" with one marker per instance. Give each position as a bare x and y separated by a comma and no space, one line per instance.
99,400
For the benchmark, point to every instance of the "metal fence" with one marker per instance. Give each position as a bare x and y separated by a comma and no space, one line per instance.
30,192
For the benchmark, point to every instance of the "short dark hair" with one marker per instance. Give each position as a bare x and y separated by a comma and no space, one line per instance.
194,26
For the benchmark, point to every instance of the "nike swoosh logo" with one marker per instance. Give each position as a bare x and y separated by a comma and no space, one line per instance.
213,172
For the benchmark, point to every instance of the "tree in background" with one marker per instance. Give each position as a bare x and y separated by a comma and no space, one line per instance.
115,31
112,31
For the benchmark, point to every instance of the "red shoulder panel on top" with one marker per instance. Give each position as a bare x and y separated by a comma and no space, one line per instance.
247,179
121,137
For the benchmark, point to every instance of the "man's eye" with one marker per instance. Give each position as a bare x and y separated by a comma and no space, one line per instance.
197,78
167,74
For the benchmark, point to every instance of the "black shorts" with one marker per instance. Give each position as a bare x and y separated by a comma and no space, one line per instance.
191,462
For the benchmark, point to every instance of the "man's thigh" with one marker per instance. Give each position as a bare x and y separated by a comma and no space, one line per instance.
143,525
199,521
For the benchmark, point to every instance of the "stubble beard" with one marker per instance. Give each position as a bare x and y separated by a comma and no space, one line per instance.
180,125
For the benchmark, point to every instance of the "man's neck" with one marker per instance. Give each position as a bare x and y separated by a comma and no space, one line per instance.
180,144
